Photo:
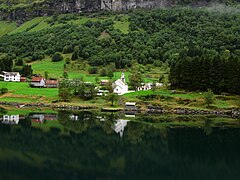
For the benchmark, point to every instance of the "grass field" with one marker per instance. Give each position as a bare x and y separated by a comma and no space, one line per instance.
40,23
55,70
6,27
182,99
21,92
27,26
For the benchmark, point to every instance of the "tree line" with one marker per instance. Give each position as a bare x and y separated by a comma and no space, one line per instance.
218,73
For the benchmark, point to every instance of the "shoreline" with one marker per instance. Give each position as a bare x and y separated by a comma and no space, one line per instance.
235,113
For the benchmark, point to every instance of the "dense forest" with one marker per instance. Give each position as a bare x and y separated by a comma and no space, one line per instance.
182,37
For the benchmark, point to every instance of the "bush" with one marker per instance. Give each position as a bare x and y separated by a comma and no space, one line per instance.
3,90
103,72
93,70
57,57
209,97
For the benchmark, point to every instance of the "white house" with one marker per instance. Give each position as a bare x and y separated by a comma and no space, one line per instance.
148,86
119,126
102,92
11,76
120,86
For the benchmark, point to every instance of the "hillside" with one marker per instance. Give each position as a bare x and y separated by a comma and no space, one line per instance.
27,9
200,46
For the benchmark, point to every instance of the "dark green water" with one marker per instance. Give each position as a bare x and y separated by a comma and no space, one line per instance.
84,145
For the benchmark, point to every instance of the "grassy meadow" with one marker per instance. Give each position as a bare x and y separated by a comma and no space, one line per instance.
6,27
40,23
22,92
179,99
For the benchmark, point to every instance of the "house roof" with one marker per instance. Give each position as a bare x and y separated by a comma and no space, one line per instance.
11,73
36,79
119,82
51,82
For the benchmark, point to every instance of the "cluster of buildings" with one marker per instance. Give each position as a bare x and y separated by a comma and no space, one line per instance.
120,86
39,81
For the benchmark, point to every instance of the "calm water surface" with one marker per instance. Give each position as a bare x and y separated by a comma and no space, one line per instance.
85,145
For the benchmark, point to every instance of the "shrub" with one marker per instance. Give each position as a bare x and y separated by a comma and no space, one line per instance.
57,57
209,97
93,70
103,72
3,90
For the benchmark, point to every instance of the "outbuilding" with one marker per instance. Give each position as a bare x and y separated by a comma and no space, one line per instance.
130,105
51,84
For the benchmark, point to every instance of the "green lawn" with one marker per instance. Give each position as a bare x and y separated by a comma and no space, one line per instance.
6,27
165,92
18,88
27,26
55,69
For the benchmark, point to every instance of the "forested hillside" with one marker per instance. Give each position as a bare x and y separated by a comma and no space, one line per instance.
27,9
178,36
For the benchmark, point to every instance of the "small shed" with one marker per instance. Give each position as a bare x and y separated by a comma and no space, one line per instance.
104,82
51,84
23,79
130,105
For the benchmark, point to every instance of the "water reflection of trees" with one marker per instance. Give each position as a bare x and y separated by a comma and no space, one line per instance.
91,153
207,127
83,120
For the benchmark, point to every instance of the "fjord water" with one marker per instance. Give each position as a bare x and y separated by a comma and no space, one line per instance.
83,145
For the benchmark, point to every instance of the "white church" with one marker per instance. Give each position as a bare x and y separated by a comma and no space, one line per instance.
120,86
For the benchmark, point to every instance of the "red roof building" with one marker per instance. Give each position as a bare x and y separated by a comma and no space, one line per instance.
37,82
51,84
23,79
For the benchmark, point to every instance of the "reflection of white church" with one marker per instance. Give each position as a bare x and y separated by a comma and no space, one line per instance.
120,86
119,126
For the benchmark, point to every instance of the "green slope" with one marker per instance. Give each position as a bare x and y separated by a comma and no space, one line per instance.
41,23
29,25
6,27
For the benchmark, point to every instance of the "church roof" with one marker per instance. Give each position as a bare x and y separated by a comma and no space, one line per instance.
119,82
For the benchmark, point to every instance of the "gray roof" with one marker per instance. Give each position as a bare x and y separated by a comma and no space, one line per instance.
10,73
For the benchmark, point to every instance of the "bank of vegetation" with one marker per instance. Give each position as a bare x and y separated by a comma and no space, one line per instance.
200,46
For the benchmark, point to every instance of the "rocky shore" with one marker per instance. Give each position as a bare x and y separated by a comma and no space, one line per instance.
44,105
185,111
150,109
